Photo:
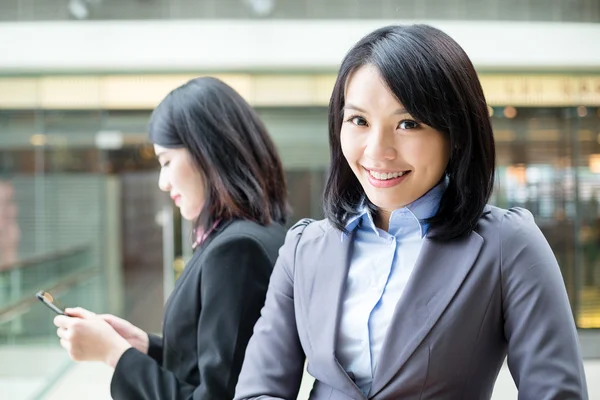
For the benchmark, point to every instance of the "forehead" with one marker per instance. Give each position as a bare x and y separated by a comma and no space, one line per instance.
366,88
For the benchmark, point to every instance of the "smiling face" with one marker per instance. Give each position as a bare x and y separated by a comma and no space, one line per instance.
180,177
395,158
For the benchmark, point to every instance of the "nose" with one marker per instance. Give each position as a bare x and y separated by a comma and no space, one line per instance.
163,181
380,144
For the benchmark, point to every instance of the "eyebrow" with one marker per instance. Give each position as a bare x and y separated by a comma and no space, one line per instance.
356,108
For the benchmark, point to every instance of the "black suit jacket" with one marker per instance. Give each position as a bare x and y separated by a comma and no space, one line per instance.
208,319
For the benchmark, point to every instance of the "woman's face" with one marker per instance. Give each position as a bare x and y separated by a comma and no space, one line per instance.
180,177
395,158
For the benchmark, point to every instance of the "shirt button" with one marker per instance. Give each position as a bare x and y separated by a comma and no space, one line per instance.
391,240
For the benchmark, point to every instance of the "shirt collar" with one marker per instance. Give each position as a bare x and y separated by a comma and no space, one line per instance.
201,235
421,209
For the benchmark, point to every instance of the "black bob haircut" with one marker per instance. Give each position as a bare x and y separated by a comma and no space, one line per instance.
230,146
435,81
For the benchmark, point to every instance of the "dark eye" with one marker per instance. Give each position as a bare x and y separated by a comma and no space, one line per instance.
166,164
408,124
359,121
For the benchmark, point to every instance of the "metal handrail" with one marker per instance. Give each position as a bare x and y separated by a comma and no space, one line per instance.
21,306
30,262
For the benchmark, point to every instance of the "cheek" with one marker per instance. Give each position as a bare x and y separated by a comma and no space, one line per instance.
197,188
186,181
350,149
429,154
178,181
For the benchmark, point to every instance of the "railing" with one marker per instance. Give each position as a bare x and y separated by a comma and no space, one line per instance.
21,306
56,272
32,360
33,261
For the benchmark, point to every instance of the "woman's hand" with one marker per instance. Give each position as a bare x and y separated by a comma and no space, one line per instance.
88,337
134,335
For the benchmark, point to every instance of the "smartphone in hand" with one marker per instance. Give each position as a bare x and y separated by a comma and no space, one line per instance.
49,301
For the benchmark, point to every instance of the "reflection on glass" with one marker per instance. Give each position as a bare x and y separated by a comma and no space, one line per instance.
10,232
549,163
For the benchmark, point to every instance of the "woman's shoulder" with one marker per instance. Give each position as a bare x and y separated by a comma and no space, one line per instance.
513,227
235,236
308,229
243,227
233,232
506,219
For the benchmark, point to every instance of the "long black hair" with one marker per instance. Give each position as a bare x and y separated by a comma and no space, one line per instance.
230,146
433,78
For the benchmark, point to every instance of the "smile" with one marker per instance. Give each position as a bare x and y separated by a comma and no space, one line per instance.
176,199
384,176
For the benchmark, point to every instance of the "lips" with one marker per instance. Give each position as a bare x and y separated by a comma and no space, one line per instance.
386,179
176,199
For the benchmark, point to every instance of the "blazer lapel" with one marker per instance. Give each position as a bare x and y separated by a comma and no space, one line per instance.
197,254
324,293
439,273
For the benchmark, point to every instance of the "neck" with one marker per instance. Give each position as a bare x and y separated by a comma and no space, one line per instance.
382,219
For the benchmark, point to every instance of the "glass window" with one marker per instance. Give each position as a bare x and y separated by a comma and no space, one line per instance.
504,10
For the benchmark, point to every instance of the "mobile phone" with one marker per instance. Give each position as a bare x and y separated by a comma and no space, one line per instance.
49,301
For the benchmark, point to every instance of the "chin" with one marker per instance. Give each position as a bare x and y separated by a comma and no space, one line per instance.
187,216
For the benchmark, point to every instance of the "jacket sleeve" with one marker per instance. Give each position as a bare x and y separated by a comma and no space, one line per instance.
234,280
543,347
274,361
155,348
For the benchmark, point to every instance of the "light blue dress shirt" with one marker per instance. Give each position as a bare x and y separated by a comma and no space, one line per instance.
379,270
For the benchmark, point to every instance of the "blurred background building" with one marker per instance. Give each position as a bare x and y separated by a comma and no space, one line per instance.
80,211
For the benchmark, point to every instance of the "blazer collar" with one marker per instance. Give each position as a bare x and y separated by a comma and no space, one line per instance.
439,273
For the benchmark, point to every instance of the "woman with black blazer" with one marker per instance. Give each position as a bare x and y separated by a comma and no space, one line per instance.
223,172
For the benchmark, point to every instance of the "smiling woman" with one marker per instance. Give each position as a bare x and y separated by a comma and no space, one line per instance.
412,271
395,158
421,111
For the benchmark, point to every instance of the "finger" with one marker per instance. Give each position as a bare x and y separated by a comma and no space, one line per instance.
79,312
65,344
63,333
108,318
63,321
73,312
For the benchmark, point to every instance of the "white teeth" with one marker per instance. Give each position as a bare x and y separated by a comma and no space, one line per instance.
385,176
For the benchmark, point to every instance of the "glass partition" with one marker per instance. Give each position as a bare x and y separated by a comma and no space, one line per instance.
27,333
87,218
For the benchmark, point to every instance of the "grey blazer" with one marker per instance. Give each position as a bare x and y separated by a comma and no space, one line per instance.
469,303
